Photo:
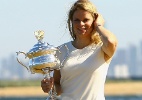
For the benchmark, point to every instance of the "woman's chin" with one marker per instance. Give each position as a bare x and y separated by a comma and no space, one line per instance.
81,32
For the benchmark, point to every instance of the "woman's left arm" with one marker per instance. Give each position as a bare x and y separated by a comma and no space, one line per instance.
108,38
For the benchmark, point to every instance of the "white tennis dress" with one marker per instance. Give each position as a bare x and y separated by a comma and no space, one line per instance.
83,73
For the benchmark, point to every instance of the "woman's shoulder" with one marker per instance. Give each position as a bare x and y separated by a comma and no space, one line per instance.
67,44
64,46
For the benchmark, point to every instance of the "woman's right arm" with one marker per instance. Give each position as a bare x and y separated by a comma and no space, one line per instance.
57,77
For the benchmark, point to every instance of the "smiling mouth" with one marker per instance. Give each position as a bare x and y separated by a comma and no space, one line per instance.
81,29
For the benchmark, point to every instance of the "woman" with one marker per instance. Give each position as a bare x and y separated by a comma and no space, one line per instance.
83,74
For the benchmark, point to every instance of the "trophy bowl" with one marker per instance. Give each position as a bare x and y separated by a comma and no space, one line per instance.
41,56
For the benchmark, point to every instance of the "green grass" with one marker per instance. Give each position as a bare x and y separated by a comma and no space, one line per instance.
122,80
17,83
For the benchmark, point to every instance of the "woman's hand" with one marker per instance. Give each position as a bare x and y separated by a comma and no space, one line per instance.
47,84
99,21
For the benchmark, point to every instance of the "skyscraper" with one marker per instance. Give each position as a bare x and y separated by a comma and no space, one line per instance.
120,59
132,60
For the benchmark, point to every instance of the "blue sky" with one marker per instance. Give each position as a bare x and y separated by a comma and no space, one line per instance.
20,18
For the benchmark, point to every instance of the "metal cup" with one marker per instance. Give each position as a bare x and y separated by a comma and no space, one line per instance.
42,58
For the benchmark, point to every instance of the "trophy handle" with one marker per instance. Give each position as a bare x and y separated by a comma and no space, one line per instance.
20,61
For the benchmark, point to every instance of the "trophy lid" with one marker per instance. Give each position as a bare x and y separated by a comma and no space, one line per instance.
41,46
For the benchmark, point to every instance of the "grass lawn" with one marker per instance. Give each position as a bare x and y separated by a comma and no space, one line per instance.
32,88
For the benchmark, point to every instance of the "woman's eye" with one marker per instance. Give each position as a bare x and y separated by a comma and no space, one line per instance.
85,20
76,20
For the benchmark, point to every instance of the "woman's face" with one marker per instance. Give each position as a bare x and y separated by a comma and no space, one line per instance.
82,23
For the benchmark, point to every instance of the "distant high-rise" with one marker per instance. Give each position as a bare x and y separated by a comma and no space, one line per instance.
132,60
140,61
119,59
141,48
121,56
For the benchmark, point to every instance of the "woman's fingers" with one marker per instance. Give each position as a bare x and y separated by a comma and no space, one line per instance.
47,84
100,20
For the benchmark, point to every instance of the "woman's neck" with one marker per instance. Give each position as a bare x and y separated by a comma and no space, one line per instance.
81,43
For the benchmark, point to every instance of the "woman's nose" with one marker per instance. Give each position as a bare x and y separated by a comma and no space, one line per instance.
82,23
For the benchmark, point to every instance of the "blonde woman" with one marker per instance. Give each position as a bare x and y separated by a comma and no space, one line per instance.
83,74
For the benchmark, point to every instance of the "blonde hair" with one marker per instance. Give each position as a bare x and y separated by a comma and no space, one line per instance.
87,6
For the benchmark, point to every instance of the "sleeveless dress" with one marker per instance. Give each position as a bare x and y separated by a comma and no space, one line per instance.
83,73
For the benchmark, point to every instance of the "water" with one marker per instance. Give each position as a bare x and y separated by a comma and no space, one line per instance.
44,98
124,98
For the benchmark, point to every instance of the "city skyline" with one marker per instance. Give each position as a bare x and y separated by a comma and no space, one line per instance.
126,63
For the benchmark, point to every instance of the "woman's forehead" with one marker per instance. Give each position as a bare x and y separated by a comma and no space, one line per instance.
81,13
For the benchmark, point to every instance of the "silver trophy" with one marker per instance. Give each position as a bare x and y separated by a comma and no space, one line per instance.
43,59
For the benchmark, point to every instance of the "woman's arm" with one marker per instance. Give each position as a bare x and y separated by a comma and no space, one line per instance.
57,77
108,38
